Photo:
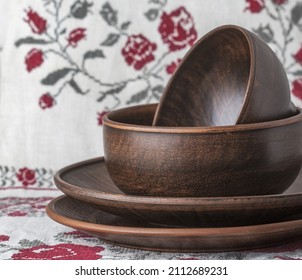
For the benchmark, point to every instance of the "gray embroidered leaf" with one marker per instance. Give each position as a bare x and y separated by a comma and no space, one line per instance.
100,99
109,14
111,39
55,76
298,73
125,25
94,54
290,40
63,31
117,89
76,87
80,9
30,243
296,13
138,97
30,40
157,91
265,33
152,14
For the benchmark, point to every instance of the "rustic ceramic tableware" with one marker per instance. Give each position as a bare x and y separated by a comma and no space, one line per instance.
86,218
230,76
90,182
249,159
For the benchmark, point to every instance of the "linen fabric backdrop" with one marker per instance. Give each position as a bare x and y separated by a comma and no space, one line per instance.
65,63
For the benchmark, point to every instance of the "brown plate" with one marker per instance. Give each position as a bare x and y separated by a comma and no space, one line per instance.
87,218
89,181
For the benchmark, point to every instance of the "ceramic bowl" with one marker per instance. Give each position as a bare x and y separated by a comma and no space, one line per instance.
248,159
230,76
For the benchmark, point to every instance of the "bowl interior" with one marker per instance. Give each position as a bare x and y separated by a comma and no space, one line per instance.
209,87
136,115
140,117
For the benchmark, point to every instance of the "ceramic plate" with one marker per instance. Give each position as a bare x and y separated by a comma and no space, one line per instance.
89,182
89,219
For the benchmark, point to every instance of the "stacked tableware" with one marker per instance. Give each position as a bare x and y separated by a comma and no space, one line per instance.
211,167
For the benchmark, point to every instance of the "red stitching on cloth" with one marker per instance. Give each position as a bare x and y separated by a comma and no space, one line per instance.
60,252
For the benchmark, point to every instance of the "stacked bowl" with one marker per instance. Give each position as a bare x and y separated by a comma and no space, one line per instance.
216,157
225,126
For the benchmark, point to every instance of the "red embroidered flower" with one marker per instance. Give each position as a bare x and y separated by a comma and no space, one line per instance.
4,238
17,214
59,252
26,176
279,2
298,56
297,88
172,67
33,59
255,6
36,23
138,51
46,101
75,36
177,29
100,117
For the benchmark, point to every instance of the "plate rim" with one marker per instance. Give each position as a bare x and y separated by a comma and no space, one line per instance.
217,232
211,203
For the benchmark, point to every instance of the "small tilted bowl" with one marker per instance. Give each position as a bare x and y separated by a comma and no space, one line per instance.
249,159
230,76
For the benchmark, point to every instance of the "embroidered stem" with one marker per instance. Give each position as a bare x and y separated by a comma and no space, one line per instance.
65,84
158,62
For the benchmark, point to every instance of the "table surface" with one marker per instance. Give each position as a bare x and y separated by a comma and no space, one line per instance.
26,232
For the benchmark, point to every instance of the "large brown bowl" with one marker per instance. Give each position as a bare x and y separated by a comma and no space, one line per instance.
230,76
250,159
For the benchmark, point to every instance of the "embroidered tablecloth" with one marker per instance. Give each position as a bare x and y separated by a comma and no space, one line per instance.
66,63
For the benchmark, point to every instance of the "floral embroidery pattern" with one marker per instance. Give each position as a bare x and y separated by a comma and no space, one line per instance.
4,238
66,250
59,252
255,6
46,101
297,87
138,51
176,29
75,36
23,206
26,178
33,59
287,23
100,117
36,23
172,67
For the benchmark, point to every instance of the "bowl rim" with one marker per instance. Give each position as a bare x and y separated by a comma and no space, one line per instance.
107,121
252,72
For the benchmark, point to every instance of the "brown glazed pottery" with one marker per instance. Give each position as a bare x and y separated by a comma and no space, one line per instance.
230,76
247,159
86,218
89,182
